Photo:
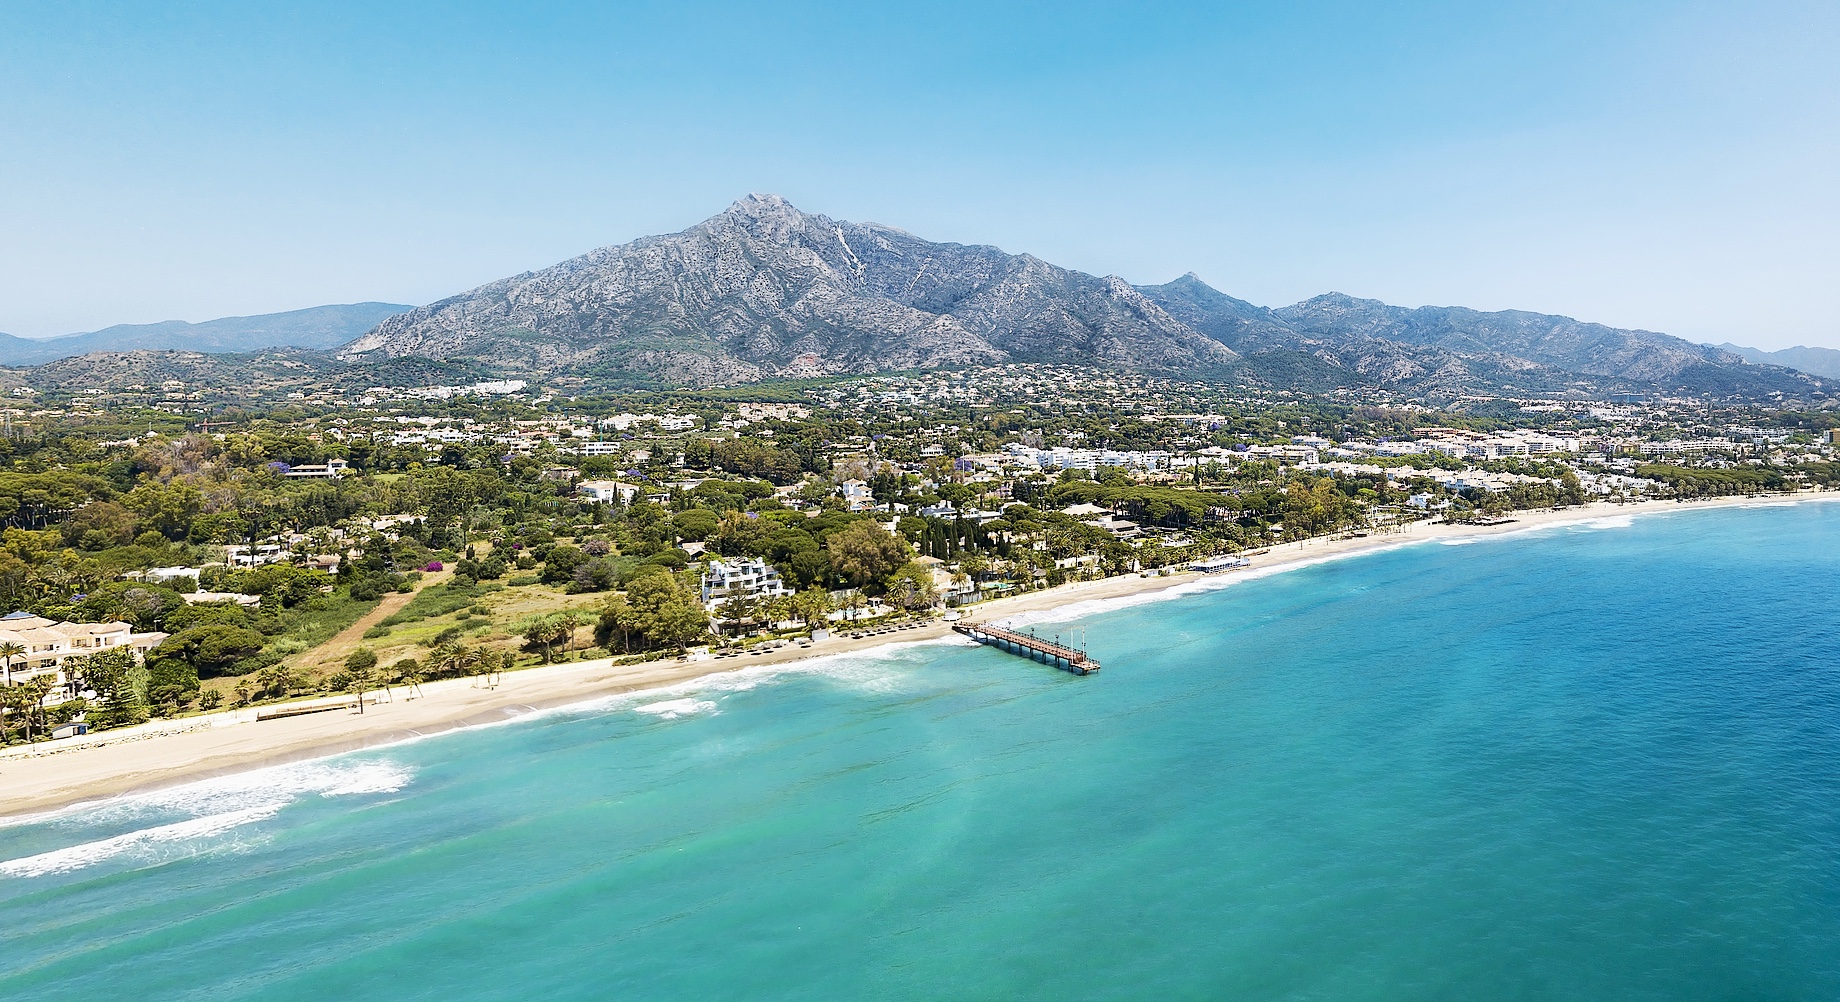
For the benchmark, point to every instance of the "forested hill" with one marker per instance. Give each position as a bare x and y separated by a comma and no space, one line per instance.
315,327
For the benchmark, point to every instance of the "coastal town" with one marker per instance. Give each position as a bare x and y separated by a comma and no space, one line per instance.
170,550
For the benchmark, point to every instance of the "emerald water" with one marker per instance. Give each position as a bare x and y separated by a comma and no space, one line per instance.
1598,761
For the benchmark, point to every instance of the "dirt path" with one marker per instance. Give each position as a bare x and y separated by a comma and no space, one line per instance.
336,650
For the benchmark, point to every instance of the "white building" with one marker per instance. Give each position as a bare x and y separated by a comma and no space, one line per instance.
741,578
857,495
331,469
49,644
608,490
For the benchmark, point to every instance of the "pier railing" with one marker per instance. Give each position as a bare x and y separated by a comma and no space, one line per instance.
1073,659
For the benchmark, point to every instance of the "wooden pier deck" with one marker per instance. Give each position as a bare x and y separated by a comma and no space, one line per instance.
1031,646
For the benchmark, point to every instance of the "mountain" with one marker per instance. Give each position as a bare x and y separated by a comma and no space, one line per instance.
315,327
265,374
1435,349
1819,361
763,290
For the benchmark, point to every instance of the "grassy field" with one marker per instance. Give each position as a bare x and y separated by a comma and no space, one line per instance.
484,612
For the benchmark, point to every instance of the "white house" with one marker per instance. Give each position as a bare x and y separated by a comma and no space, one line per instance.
856,495
608,490
49,644
331,469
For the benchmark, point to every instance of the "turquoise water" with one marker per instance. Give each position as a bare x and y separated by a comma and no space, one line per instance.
1589,762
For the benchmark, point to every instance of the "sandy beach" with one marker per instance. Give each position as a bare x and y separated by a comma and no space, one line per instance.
47,776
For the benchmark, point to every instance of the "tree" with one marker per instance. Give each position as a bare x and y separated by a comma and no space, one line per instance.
409,672
494,664
540,631
863,552
453,659
278,681
680,624
617,616
560,566
777,609
171,682
210,649
12,704
911,587
736,609
565,623
361,669
811,605
26,701
120,686
9,651
34,691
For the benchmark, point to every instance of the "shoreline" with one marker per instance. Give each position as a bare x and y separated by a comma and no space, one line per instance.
36,780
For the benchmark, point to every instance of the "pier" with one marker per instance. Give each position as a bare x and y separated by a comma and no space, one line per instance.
1030,646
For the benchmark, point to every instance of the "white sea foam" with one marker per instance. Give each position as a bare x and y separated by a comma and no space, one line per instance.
1465,541
161,839
1200,586
671,709
258,788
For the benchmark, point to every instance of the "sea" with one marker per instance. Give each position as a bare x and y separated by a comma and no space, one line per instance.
1591,761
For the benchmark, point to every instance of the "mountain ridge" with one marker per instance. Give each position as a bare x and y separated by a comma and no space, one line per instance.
1815,361
763,290
316,327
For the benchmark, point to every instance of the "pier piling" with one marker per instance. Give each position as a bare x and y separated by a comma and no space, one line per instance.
1028,645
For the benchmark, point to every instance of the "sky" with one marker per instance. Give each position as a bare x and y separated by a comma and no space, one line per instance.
1665,166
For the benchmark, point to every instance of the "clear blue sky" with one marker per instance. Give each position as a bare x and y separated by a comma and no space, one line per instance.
1669,166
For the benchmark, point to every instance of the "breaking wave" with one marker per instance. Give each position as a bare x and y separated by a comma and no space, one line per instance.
671,709
77,857
189,818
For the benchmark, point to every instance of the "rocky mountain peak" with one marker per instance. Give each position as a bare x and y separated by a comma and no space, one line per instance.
763,289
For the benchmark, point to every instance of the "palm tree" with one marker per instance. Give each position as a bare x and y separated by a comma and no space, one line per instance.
811,605
9,651
32,699
409,672
565,623
496,663
777,609
545,631
455,658
11,702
